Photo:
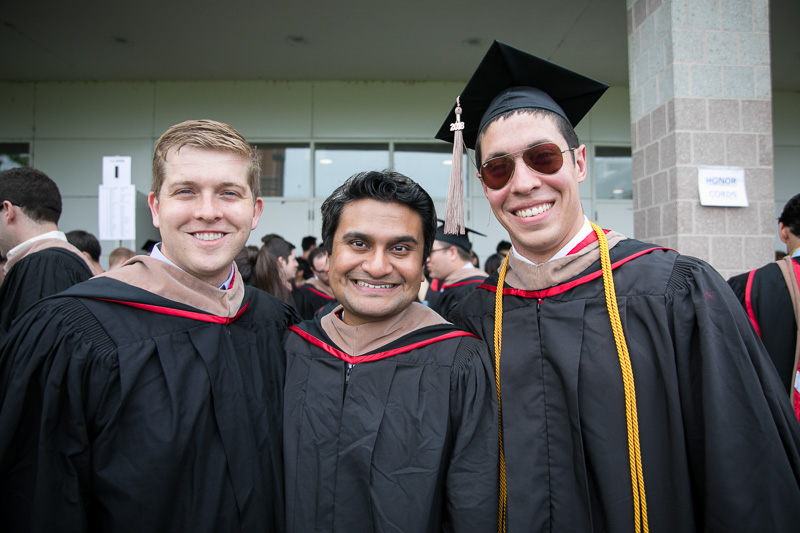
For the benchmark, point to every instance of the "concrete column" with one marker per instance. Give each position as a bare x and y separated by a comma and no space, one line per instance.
701,95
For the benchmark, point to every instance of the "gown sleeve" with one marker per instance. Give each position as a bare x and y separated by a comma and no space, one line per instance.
741,435
56,385
472,476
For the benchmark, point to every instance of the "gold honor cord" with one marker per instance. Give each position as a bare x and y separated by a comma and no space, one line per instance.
498,339
635,457
634,451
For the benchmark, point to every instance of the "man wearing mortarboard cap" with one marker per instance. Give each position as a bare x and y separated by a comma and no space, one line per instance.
450,266
634,395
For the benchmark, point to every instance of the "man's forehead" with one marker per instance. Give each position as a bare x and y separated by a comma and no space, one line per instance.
354,221
196,155
524,129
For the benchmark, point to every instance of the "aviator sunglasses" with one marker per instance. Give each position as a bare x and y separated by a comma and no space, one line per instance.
544,158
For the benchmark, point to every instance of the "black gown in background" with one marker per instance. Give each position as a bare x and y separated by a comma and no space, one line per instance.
36,276
773,313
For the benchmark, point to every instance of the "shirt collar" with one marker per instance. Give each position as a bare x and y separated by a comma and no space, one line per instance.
796,252
585,230
156,253
55,234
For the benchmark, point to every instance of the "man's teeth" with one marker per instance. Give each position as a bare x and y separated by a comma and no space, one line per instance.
208,236
533,211
371,286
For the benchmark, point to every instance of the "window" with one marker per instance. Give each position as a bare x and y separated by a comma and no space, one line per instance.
429,165
334,163
13,155
285,169
613,173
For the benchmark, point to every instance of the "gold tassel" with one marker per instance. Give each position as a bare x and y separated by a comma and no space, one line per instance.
454,215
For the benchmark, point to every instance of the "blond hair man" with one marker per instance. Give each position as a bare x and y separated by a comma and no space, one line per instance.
148,398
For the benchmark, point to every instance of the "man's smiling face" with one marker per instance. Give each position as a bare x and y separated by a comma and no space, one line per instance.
205,211
376,260
541,212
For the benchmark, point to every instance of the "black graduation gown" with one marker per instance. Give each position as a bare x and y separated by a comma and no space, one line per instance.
450,295
129,419
769,306
35,276
718,438
308,301
406,443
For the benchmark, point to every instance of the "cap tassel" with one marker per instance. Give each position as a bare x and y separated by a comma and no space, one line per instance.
454,216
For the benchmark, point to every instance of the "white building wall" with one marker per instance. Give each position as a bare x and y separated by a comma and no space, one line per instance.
70,126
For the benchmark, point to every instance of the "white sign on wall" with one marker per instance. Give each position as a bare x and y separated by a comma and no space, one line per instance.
117,170
722,186
116,203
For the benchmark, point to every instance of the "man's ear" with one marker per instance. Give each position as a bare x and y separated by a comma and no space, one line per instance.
8,210
783,232
152,202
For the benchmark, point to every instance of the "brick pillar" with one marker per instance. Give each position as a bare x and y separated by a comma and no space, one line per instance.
701,95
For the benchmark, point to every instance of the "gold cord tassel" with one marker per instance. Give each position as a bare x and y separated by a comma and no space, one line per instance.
634,450
498,340
454,214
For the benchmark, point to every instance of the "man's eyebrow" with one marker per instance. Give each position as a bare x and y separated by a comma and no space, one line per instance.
220,185
492,155
356,235
405,238
368,238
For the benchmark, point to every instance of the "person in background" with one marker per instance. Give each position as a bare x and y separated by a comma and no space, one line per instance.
770,296
634,394
40,260
390,419
449,263
502,248
149,398
88,245
245,262
283,251
316,293
304,270
119,256
269,277
492,263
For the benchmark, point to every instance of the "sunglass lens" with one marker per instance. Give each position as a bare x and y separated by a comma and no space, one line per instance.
497,172
544,158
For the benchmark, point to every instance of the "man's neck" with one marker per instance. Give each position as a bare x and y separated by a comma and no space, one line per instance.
585,229
50,232
793,246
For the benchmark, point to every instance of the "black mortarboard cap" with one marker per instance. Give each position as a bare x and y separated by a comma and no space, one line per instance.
508,78
148,245
462,241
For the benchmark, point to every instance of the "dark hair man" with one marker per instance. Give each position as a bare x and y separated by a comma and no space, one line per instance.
450,264
389,418
652,379
502,248
40,260
308,244
765,293
88,245
316,292
149,397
